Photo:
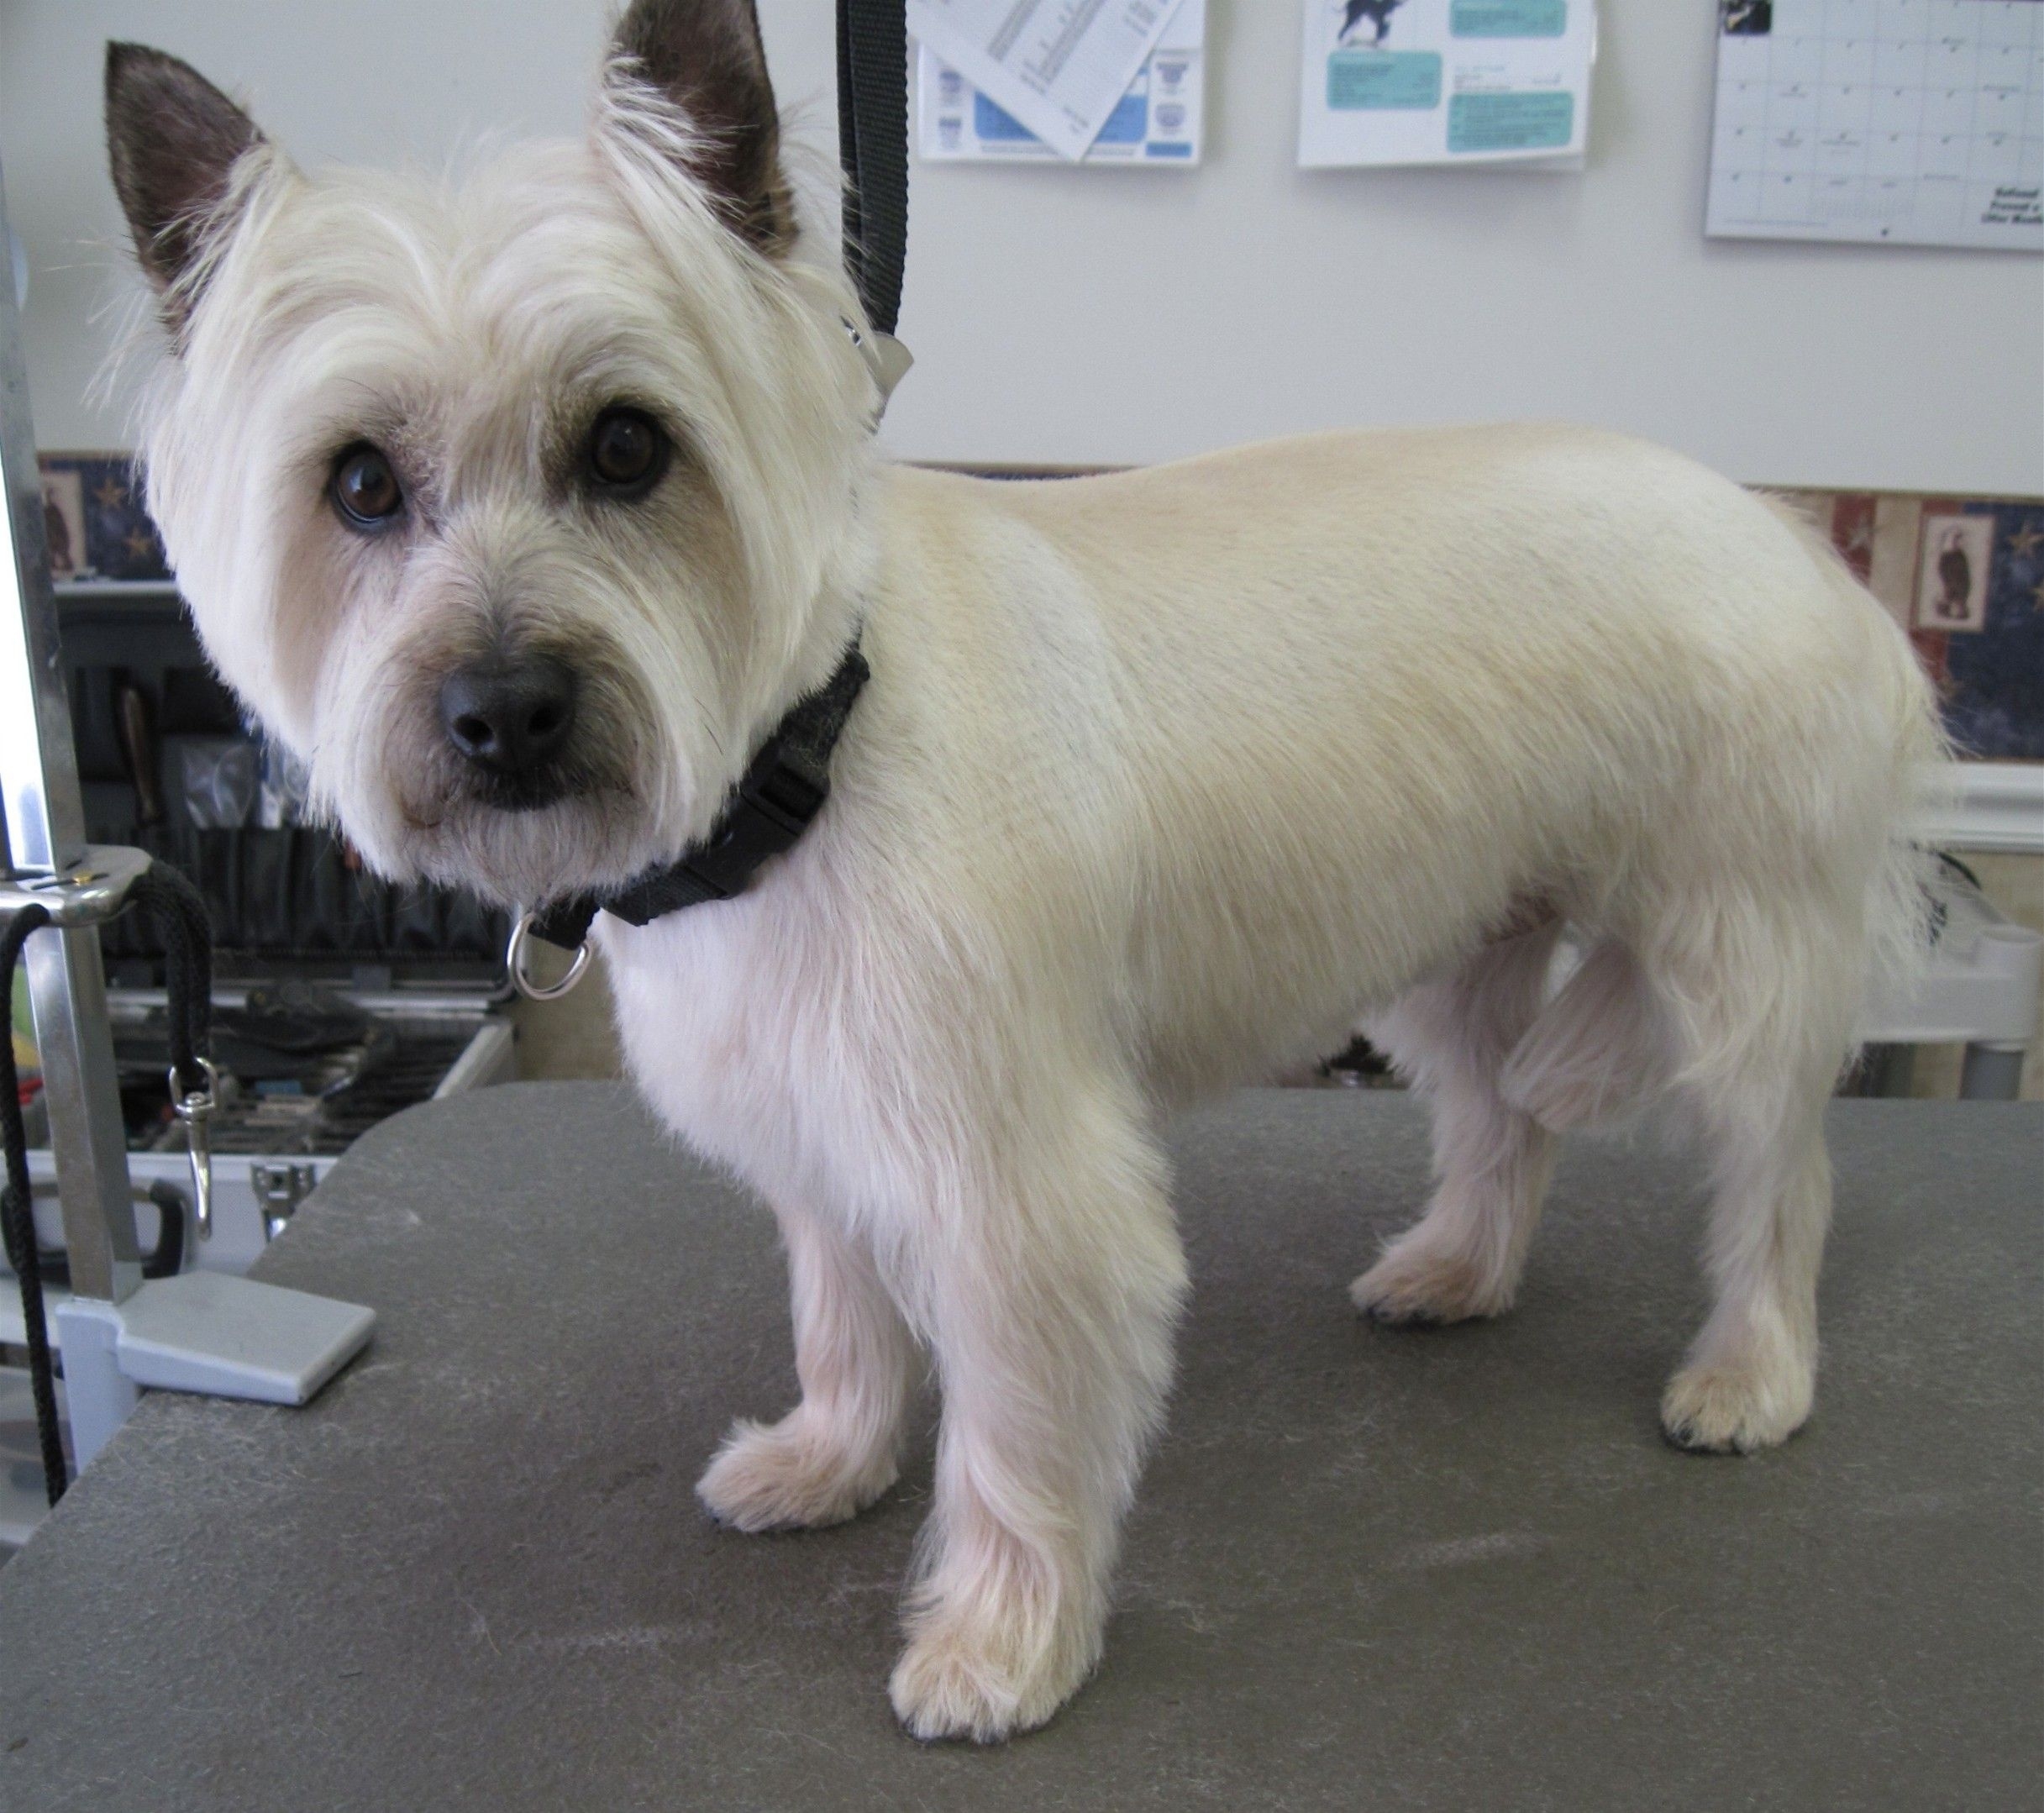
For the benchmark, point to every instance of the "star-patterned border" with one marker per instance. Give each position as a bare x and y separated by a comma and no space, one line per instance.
1990,680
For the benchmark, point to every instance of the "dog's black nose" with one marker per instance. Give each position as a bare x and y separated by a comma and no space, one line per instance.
510,717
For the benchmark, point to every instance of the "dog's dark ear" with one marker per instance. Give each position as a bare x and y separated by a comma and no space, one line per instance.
172,138
706,57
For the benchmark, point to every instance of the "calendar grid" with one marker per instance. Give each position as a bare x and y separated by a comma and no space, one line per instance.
1904,122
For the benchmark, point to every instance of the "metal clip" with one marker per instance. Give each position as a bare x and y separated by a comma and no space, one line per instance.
194,1109
887,360
522,937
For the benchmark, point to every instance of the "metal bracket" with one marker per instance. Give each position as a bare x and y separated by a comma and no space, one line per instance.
279,1190
90,891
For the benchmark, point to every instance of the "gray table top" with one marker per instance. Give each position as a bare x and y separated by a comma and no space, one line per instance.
1455,1568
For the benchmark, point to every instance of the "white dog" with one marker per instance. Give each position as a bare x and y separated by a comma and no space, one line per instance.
525,509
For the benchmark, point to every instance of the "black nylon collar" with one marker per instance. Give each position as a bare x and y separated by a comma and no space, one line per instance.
774,803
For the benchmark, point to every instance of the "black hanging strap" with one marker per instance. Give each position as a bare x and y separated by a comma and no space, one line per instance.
873,145
788,781
17,1215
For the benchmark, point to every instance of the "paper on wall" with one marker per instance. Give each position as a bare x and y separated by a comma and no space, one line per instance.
1156,121
1446,81
1914,123
1059,66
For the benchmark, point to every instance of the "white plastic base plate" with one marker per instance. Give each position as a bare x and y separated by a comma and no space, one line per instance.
235,1337
203,1332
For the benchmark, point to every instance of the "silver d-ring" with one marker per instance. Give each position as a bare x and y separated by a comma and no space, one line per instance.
522,934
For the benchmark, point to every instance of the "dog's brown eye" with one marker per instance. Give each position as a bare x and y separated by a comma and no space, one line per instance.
365,490
627,450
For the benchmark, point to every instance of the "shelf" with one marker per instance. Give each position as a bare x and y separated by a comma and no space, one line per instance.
1991,806
101,590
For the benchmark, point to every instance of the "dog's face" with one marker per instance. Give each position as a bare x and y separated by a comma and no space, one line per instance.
518,509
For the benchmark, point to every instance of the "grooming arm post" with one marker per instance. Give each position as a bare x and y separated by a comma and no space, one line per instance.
42,837
199,1331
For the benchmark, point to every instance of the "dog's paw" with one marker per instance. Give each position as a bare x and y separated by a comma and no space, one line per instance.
1412,1286
1735,1407
789,1475
968,1677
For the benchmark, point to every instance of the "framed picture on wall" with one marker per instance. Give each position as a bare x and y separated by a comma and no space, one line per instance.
96,519
64,524
1951,575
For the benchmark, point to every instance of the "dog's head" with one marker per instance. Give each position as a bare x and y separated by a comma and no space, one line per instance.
519,505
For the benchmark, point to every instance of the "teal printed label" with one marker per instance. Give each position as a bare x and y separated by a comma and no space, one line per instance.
1363,79
1508,18
1510,121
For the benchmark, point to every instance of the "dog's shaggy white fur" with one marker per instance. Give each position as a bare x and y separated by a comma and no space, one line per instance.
1161,780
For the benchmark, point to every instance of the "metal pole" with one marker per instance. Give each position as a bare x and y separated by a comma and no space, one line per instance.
42,832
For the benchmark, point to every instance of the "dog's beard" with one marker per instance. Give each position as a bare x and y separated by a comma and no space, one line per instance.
584,841
387,777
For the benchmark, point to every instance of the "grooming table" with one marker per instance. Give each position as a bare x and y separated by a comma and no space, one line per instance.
1447,1569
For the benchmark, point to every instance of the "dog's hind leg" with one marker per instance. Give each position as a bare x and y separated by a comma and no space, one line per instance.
1491,1159
836,1451
1762,1005
1751,1375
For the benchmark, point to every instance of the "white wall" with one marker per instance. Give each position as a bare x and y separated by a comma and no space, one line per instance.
1098,316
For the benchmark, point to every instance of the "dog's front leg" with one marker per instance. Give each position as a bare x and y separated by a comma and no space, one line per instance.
836,1451
1052,1298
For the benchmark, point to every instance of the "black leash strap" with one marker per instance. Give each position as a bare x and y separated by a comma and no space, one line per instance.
873,146
788,781
181,917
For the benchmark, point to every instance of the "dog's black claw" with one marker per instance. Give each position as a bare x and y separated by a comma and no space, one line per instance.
1390,1318
1685,1441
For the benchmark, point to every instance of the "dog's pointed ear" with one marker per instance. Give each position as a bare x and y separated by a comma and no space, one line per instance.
172,141
707,58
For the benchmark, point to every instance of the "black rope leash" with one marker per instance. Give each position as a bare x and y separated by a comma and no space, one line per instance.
18,1216
180,914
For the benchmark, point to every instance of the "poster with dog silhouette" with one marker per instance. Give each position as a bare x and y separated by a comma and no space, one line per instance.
1446,81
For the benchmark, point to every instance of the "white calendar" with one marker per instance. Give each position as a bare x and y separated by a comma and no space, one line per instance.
1898,122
